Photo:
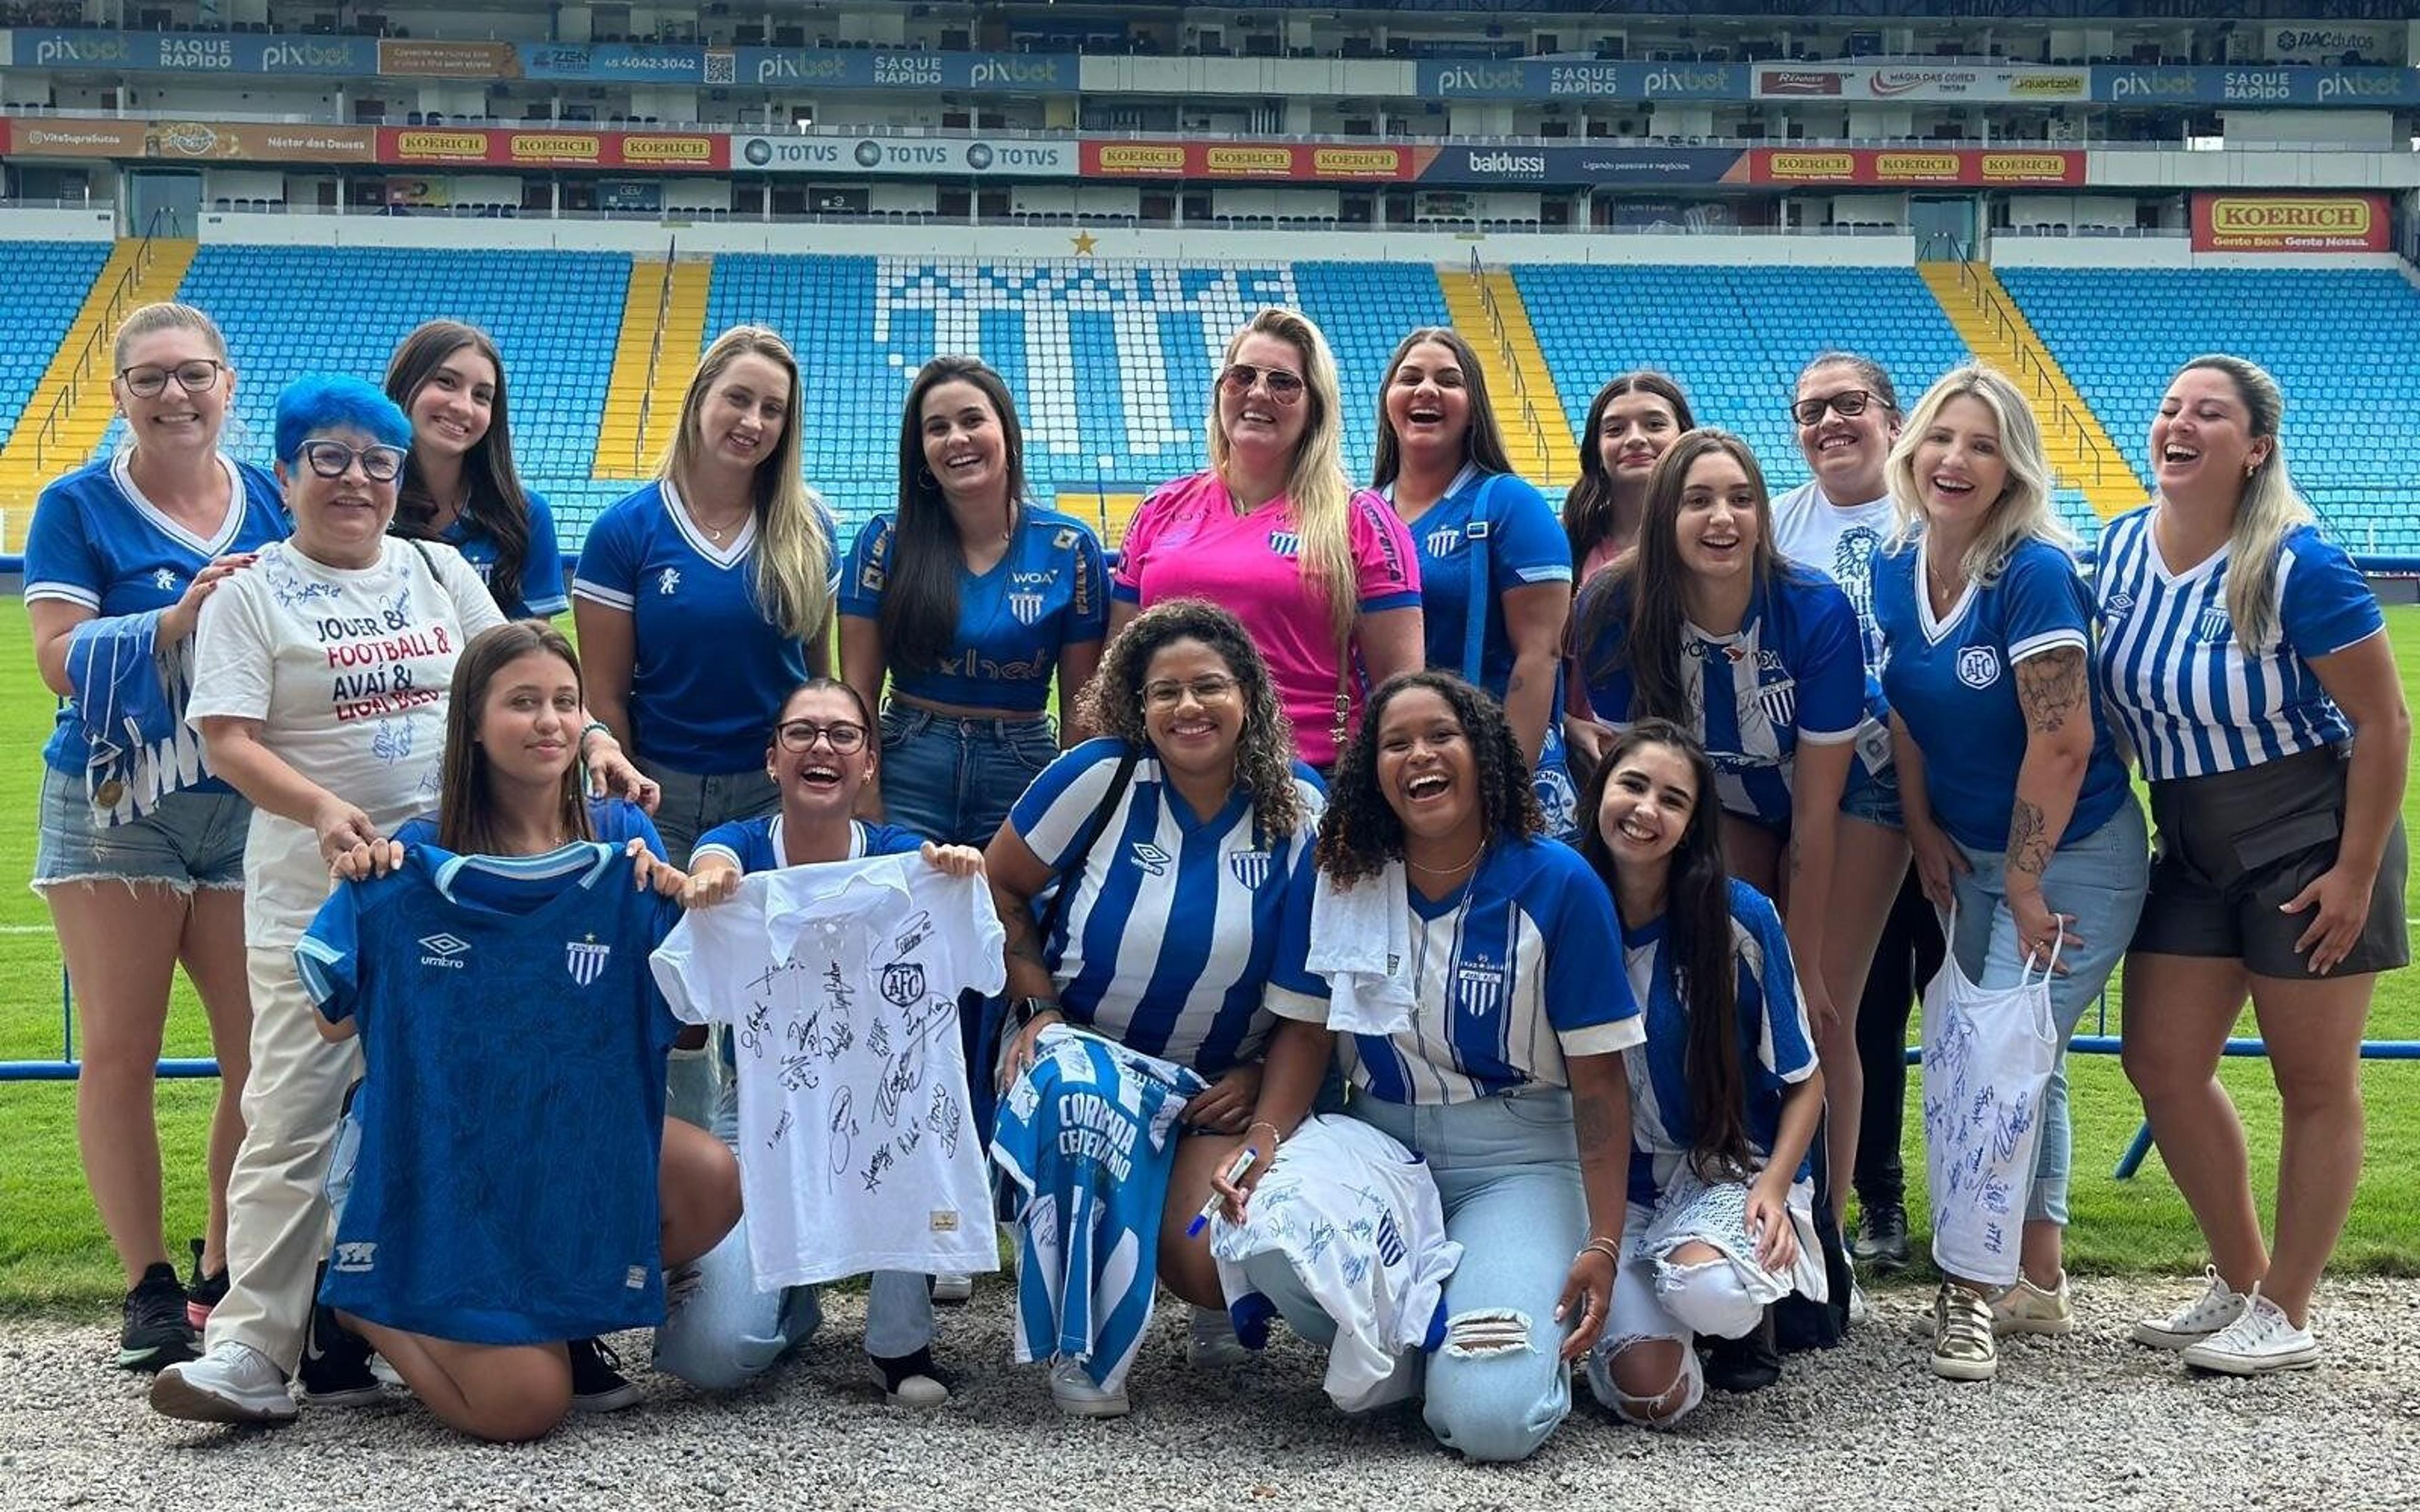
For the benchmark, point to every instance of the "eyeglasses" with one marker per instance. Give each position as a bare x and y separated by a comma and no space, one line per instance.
1210,689
1284,387
199,375
801,735
1848,404
330,459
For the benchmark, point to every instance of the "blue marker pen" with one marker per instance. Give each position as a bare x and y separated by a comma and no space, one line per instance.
1210,1209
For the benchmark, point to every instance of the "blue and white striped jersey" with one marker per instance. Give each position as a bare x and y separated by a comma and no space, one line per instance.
2193,699
1794,672
1167,944
1776,1048
1517,971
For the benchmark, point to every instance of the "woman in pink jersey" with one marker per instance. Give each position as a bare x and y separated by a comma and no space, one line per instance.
1274,533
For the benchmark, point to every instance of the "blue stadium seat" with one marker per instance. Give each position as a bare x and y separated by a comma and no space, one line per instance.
47,285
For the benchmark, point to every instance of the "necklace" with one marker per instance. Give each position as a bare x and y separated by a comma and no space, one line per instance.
720,533
1448,870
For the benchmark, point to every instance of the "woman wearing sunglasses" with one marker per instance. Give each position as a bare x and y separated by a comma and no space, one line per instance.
1317,573
141,858
1847,415
322,676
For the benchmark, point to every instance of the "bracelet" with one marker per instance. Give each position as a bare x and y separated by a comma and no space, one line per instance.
591,728
1275,1138
1610,1249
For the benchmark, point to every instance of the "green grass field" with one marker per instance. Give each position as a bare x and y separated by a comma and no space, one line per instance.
53,1257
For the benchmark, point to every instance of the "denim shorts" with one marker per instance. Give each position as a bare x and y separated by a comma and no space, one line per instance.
1873,796
191,839
689,804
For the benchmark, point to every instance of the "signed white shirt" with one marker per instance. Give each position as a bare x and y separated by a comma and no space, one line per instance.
840,984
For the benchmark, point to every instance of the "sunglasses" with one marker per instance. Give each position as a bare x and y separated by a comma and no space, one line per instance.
330,459
1284,387
1848,404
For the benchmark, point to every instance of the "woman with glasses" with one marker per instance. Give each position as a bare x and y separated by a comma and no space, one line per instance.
1319,575
705,595
973,600
320,685
721,1332
1495,573
139,847
1171,842
1847,415
461,486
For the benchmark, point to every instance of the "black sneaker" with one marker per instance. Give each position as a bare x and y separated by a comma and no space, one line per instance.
912,1379
1881,1238
597,1384
203,1292
1749,1362
335,1369
156,1333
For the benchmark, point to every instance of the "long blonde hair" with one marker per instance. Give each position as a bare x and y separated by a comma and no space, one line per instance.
2266,508
1321,495
2023,511
794,555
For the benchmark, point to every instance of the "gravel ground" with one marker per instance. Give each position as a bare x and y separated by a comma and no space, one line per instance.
2088,1421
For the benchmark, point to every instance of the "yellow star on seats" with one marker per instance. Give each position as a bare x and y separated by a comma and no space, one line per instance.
1085,242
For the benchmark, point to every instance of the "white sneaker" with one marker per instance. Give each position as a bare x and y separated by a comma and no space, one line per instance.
232,1383
2198,1319
2262,1339
1210,1344
1860,1312
950,1288
1078,1397
2026,1308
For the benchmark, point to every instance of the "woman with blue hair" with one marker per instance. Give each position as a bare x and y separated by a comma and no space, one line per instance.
320,684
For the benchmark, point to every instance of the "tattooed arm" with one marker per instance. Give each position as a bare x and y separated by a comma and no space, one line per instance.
2054,694
1533,622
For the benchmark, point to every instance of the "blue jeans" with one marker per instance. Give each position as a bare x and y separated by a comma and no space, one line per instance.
691,804
725,1333
1507,1171
2099,882
953,780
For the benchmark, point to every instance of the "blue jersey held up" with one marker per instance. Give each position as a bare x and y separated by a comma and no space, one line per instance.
1953,683
512,1105
709,670
1050,591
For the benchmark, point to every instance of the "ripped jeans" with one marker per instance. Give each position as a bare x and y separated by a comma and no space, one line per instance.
1507,1171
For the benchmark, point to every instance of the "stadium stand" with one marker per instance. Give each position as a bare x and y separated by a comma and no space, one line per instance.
2340,344
47,282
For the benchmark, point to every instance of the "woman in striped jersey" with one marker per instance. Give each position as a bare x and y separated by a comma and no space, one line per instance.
2246,661
1176,838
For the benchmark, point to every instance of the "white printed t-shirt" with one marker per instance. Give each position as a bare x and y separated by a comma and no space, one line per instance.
840,983
348,670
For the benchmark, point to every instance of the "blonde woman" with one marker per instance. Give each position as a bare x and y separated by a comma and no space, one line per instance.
2016,800
706,596
1272,532
2246,660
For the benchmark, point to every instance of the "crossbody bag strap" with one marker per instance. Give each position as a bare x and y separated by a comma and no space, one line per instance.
1071,870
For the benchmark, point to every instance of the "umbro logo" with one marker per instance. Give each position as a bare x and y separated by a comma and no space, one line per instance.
1150,857
444,951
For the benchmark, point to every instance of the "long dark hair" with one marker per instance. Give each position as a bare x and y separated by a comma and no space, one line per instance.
498,507
1482,439
1587,507
1361,832
920,589
1111,702
465,798
1648,584
1698,927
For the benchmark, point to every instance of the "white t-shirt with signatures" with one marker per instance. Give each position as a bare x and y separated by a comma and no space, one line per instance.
840,984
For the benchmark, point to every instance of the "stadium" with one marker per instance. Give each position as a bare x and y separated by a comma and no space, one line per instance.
1093,199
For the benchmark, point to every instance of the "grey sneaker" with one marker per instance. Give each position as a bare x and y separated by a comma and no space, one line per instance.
2196,1320
1963,1345
1077,1396
1210,1341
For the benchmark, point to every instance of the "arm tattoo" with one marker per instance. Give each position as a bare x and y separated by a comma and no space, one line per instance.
1024,943
2050,689
1592,1123
1517,682
2030,842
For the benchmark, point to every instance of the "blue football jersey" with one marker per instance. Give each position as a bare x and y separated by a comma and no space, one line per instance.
542,596
512,1108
